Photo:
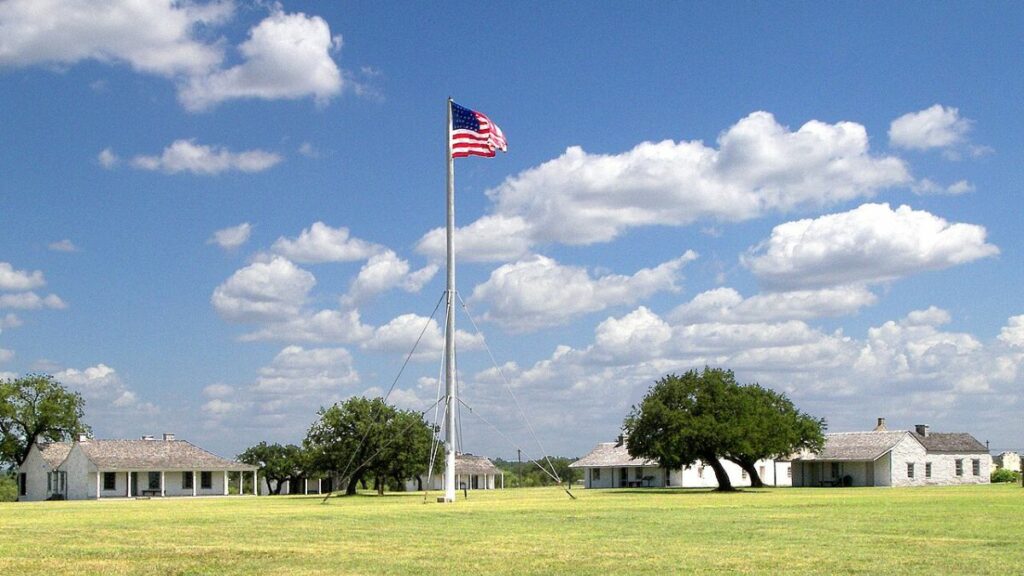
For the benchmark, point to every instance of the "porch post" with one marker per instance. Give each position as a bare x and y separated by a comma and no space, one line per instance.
225,482
161,483
255,482
98,475
195,479
319,485
241,482
128,476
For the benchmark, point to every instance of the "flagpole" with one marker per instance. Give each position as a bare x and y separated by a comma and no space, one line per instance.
449,339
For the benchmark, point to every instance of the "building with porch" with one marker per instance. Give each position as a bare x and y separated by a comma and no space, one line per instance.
609,465
471,473
93,469
885,457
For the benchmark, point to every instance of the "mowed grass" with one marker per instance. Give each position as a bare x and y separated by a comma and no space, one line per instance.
948,530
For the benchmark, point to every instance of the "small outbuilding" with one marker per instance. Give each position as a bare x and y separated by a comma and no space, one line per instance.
471,473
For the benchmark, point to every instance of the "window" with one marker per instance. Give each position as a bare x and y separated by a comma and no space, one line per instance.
63,481
760,472
744,475
50,481
976,467
910,469
154,480
109,480
835,469
206,480
595,474
22,484
187,480
927,469
789,471
959,467
700,472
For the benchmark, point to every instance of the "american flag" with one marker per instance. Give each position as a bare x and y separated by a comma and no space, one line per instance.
473,134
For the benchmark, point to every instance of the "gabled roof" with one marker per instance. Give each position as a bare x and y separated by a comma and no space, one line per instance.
951,442
609,454
54,452
468,464
155,455
856,446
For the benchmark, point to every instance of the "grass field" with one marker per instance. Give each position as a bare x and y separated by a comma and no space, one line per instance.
954,530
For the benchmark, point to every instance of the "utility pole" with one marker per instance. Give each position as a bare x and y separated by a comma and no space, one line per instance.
519,456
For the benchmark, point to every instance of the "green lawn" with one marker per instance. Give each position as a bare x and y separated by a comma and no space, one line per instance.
956,530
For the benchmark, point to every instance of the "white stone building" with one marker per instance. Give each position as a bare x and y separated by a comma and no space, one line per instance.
609,465
1008,460
894,458
93,469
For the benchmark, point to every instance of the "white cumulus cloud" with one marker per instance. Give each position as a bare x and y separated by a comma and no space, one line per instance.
272,290
12,279
539,292
383,272
935,127
871,243
727,305
187,156
759,167
232,237
153,36
287,56
31,301
321,243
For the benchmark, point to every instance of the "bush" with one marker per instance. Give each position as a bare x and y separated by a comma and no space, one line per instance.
1005,475
8,488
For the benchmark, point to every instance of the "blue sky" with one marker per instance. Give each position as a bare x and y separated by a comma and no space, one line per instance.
215,218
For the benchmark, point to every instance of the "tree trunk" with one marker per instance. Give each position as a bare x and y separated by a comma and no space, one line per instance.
748,467
354,481
724,484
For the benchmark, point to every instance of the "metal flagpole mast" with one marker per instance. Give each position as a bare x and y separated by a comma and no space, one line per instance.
449,339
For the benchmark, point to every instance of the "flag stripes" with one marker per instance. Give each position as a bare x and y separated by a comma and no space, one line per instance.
473,134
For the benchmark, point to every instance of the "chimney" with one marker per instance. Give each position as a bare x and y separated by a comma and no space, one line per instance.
881,426
148,437
922,429
168,436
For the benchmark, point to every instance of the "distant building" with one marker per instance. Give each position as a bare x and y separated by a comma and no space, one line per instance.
471,473
1007,460
609,465
93,469
894,458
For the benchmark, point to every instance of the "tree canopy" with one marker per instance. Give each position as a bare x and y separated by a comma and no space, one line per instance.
36,408
277,463
363,438
707,416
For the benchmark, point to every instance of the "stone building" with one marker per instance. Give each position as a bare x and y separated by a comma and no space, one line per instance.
894,458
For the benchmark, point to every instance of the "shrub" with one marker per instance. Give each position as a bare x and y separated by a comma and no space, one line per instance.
1005,475
8,488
